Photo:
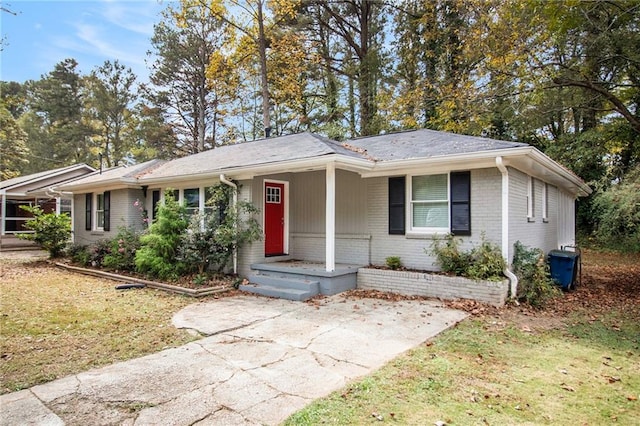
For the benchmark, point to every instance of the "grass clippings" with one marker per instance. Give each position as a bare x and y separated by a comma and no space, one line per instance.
574,362
55,323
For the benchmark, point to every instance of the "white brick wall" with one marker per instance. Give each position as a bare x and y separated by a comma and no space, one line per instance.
532,232
433,285
123,214
486,187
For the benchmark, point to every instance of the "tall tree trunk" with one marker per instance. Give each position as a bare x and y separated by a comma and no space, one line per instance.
366,85
262,50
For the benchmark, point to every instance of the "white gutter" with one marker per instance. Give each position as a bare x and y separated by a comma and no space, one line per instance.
226,181
513,279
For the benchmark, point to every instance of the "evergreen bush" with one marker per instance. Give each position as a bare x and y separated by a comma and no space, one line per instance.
157,256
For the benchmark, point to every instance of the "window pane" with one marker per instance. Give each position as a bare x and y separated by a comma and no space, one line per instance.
100,219
429,188
192,197
431,215
209,205
100,202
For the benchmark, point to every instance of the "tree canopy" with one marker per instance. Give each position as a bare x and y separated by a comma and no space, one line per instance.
561,75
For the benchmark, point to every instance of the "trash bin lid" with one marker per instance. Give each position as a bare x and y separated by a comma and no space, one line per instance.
564,253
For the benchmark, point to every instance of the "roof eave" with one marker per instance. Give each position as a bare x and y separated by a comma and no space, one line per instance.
73,167
468,160
106,185
248,172
514,157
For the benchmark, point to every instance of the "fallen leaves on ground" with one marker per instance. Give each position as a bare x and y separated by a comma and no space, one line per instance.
608,282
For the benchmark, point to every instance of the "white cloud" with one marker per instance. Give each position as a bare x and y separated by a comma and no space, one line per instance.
137,16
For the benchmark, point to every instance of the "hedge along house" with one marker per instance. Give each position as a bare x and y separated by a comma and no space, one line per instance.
36,189
328,208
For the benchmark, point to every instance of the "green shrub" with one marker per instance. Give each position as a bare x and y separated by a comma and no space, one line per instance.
98,251
52,231
618,214
486,263
79,254
157,256
449,257
122,250
481,263
393,262
535,285
210,239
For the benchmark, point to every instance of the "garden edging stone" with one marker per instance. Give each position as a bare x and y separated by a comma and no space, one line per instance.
201,292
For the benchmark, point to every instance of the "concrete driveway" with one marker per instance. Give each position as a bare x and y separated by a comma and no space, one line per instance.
262,360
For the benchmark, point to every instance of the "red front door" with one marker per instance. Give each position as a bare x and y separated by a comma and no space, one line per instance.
274,218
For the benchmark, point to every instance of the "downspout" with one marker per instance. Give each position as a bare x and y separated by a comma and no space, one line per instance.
234,202
513,279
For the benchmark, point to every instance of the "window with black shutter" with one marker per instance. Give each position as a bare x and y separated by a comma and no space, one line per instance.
460,203
397,197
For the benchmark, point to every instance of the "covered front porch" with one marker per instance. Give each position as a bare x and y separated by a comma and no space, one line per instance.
315,233
300,279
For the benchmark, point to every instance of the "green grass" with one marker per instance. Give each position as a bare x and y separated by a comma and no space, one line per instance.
55,323
480,373
577,362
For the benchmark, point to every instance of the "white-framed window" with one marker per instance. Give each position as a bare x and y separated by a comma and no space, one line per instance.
99,202
191,197
65,206
429,203
531,202
545,202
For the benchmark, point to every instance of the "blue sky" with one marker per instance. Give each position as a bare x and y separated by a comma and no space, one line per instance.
45,32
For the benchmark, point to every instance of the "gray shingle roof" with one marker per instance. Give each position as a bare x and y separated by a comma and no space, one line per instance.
32,178
118,173
255,153
425,143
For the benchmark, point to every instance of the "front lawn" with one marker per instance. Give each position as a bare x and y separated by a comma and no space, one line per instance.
575,362
55,323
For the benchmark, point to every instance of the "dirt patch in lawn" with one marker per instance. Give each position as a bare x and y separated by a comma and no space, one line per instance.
55,323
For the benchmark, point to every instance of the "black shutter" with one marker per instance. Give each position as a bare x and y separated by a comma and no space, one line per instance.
155,199
397,205
87,215
107,211
460,203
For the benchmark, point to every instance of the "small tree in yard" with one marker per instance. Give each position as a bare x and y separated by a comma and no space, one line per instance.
52,231
210,239
159,248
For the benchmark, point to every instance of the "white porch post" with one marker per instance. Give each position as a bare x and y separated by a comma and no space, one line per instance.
330,218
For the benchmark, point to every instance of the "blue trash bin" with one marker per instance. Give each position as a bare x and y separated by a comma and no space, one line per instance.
564,267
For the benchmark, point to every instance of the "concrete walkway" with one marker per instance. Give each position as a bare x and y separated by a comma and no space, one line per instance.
263,360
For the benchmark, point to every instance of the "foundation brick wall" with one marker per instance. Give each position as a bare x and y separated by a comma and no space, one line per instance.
433,285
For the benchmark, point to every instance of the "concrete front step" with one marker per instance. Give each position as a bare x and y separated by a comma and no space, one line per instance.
278,292
282,287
